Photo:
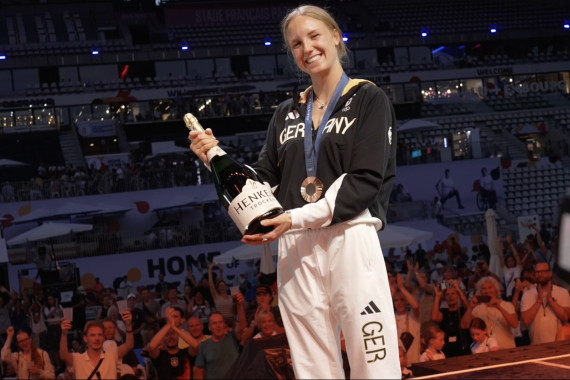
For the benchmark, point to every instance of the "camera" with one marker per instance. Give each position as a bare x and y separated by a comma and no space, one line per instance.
445,285
483,299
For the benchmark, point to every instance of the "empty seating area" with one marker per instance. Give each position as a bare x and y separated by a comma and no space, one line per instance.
519,102
517,121
471,224
535,190
404,18
434,110
227,35
45,27
562,118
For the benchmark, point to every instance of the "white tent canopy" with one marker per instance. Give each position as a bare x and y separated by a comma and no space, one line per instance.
4,162
49,230
390,237
417,124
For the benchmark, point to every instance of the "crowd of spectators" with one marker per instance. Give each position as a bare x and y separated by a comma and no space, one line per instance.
449,303
446,299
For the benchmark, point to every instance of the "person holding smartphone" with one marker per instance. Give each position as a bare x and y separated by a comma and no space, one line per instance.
499,315
449,317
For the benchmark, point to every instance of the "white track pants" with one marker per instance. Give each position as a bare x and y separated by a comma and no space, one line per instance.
334,279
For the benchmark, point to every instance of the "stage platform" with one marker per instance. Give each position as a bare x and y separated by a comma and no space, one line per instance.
543,361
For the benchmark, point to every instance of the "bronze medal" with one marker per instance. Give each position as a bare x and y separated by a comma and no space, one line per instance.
311,189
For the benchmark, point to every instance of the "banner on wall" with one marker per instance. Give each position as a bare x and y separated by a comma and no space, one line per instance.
142,268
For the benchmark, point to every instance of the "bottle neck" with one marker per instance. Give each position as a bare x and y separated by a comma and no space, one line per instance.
215,152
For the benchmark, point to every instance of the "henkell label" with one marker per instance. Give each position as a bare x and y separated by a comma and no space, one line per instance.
254,200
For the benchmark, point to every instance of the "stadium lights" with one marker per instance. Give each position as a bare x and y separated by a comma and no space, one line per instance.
493,29
424,34
95,52
267,41
184,47
344,38
566,25
2,57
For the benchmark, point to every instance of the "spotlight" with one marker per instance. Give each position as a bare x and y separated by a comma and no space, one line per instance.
95,52
493,30
424,34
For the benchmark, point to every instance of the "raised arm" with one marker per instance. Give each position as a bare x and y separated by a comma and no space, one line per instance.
436,314
241,319
211,282
64,353
155,342
414,304
7,349
130,341
514,250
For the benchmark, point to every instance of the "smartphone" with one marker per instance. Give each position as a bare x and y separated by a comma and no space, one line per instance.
234,290
562,263
483,299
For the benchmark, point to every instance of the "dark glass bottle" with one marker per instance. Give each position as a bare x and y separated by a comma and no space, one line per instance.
247,199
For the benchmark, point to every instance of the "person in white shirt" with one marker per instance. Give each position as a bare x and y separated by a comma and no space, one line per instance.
499,315
95,362
482,342
434,338
511,265
544,307
446,189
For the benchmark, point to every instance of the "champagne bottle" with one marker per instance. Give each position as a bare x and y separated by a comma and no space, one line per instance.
246,198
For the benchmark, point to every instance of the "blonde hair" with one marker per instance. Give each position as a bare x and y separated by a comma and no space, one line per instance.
322,15
492,280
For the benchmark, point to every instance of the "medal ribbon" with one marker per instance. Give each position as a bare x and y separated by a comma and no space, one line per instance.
312,150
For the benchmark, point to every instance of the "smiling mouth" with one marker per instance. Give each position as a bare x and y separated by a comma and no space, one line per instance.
313,59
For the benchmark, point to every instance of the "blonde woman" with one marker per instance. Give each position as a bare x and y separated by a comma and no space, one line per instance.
499,315
330,153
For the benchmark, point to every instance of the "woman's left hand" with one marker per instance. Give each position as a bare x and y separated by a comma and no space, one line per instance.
281,224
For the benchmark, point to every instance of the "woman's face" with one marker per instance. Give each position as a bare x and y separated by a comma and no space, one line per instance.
489,289
400,303
511,263
24,341
312,44
478,335
223,288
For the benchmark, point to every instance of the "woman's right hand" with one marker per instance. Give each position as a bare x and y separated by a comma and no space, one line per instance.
201,142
